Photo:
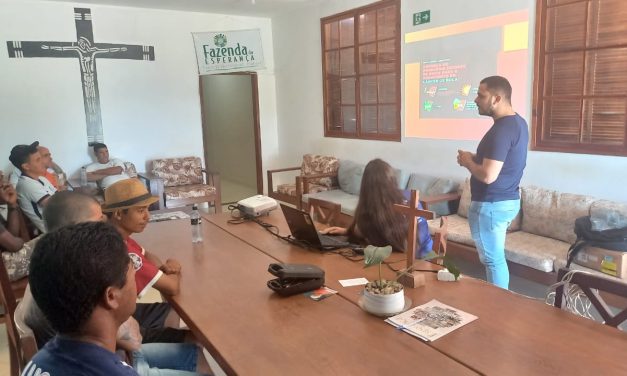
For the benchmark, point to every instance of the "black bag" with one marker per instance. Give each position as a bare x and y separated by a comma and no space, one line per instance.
614,239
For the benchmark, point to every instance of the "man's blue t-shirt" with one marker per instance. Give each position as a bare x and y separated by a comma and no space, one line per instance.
424,243
64,356
507,142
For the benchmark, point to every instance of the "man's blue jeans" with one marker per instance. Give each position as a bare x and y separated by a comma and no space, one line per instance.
488,226
166,359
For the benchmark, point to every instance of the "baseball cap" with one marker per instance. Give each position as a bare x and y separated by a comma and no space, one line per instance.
21,153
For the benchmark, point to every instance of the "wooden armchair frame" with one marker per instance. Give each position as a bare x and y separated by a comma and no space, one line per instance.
325,212
302,185
156,186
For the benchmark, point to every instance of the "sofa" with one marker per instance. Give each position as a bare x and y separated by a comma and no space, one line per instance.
539,237
435,193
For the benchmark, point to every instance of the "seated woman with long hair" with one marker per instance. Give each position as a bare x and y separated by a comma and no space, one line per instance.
375,221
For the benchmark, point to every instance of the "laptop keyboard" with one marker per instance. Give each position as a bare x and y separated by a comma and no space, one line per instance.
333,241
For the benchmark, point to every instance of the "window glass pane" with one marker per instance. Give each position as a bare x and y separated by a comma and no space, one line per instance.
347,32
387,88
368,27
604,121
334,94
368,88
331,35
332,62
368,58
347,62
369,119
387,56
334,118
348,91
349,119
386,22
388,119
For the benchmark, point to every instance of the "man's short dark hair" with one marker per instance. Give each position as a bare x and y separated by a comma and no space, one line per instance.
499,85
70,270
98,145
66,208
20,154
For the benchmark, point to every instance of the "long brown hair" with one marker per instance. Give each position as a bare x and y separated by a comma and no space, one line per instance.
375,221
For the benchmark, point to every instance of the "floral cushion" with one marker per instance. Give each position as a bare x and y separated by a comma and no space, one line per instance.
178,171
290,189
320,164
17,263
189,191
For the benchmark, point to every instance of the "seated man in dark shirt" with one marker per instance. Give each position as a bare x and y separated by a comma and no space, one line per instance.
83,280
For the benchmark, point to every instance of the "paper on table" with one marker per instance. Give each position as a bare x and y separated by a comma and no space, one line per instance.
353,282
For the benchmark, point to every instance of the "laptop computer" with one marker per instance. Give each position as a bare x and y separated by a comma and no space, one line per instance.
302,228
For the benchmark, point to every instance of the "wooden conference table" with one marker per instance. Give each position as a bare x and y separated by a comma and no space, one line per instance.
251,330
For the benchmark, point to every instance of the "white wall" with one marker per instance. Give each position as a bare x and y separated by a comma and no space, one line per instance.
300,110
149,109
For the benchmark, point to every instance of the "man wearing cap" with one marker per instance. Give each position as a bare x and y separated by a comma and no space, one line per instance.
126,206
33,189
105,171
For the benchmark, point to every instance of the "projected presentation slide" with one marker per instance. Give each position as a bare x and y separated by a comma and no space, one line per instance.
445,66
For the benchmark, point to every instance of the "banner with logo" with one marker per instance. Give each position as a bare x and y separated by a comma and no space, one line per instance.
228,51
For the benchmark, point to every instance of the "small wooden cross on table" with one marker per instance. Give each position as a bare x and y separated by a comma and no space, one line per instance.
411,212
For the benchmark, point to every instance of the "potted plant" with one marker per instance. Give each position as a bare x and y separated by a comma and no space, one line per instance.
381,297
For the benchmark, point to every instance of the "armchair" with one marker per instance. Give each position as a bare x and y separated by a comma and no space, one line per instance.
180,181
317,173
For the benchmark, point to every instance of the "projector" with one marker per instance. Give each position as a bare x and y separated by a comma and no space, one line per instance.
257,205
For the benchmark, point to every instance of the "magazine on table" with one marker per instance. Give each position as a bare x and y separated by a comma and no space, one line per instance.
159,217
431,320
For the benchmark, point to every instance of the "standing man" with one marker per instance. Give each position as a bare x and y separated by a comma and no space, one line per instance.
496,170
33,189
105,171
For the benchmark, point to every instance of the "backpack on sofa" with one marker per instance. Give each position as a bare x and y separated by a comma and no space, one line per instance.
614,239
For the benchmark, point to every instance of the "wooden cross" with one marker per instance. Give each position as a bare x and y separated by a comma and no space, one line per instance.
412,212
86,51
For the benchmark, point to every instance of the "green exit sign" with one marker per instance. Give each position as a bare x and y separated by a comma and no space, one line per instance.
422,17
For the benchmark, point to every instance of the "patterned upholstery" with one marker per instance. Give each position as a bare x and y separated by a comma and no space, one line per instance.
176,172
130,169
320,164
290,189
188,191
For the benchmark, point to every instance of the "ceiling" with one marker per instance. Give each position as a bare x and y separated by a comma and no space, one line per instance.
257,8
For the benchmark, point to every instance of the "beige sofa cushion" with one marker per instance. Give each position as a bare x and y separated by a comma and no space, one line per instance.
552,214
534,251
458,229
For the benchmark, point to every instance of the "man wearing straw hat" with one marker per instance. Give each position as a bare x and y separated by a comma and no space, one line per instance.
126,205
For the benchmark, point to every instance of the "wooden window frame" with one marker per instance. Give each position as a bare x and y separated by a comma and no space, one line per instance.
587,98
359,132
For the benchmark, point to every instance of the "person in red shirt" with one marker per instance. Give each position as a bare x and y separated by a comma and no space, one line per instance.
126,206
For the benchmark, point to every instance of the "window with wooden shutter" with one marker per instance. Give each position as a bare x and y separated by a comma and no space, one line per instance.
580,85
362,72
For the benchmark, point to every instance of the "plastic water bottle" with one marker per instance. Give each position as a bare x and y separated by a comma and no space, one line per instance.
83,176
196,226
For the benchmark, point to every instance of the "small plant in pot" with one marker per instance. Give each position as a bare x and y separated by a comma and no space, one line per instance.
381,297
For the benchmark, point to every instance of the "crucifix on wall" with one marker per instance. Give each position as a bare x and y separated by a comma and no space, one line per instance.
86,51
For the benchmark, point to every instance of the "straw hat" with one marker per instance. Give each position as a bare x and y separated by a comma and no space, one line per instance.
126,194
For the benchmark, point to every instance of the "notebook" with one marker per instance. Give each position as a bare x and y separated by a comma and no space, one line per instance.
302,228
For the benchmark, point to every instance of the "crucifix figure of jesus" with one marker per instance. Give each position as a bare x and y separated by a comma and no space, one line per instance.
86,50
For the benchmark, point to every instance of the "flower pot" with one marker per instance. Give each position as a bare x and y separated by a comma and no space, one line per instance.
383,305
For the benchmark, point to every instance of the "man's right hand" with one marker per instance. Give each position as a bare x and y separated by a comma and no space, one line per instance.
8,195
